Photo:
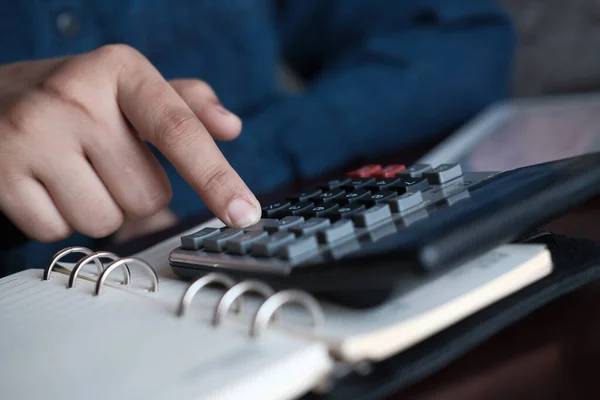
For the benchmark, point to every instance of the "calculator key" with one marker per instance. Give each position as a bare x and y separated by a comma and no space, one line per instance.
335,183
267,246
337,231
390,171
294,209
347,210
358,183
365,172
414,171
383,184
271,210
404,185
379,197
218,243
443,173
195,240
320,210
283,224
303,196
328,195
259,226
241,244
311,226
299,249
405,201
372,216
354,196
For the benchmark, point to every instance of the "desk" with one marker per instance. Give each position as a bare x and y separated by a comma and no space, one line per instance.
554,353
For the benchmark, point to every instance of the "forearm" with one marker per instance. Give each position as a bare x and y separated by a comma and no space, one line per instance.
394,91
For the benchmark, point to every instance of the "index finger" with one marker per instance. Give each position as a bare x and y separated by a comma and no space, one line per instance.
156,111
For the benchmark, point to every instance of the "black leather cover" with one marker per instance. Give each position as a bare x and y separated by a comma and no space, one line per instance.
576,263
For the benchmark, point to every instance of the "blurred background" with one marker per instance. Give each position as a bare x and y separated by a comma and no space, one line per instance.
558,46
557,50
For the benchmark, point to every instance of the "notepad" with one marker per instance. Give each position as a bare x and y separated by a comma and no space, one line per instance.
130,342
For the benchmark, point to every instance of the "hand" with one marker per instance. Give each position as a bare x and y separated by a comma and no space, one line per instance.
72,151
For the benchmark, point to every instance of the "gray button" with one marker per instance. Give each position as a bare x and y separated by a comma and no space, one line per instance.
241,244
341,229
414,171
300,249
260,225
443,173
68,24
218,242
405,201
194,241
372,216
283,224
311,226
267,246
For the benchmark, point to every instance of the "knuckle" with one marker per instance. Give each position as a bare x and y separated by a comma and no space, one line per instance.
52,232
215,178
175,128
151,204
197,88
117,57
109,223
116,52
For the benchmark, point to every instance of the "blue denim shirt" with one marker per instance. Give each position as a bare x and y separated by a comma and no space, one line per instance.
381,74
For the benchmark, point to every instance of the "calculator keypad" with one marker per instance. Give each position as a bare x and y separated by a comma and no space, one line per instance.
334,219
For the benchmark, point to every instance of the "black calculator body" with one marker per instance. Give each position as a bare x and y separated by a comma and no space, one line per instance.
362,237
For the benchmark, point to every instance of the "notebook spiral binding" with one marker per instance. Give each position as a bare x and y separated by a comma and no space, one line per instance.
266,311
232,297
103,272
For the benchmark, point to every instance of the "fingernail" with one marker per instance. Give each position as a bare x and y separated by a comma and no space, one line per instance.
242,214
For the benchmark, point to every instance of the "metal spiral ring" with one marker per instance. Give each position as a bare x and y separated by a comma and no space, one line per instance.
93,257
127,261
214,277
273,303
64,252
236,291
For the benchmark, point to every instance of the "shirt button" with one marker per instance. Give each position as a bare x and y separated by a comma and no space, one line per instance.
68,24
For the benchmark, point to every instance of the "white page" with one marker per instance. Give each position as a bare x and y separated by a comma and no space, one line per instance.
378,333
60,343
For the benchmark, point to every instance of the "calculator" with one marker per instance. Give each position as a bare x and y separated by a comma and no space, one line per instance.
380,229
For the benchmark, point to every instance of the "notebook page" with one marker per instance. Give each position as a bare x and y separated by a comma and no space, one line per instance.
378,333
68,344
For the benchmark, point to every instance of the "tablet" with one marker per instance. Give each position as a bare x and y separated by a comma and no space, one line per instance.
524,132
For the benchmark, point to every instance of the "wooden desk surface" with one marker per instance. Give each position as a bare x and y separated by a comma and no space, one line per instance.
552,354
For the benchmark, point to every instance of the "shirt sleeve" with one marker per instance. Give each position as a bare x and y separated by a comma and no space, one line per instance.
381,74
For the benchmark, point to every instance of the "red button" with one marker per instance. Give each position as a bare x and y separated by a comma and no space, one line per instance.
390,171
365,172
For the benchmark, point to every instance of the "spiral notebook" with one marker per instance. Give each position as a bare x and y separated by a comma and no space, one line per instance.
115,328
